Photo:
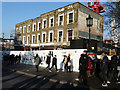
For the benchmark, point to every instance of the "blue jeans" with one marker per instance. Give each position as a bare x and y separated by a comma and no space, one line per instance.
119,74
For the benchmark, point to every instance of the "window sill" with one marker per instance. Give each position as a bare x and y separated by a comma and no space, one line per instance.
70,23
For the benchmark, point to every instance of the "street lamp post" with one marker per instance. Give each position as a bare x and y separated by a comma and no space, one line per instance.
89,22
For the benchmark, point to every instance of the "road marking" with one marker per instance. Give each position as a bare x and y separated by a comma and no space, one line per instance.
28,74
53,80
63,82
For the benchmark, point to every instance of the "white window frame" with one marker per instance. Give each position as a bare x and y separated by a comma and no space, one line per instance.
38,26
20,29
72,34
33,27
51,31
38,38
17,29
27,28
42,37
59,19
58,36
45,19
68,16
24,38
24,30
51,17
32,38
27,39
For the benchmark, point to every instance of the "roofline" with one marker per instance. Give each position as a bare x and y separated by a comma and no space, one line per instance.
89,8
71,4
60,8
23,22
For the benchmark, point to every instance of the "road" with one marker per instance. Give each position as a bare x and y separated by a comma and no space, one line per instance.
28,78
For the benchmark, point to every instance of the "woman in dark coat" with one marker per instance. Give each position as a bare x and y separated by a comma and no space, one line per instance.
104,69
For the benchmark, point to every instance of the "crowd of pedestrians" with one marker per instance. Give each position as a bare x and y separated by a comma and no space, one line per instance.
107,70
11,59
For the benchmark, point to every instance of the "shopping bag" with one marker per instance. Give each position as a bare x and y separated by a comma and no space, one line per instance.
118,67
69,63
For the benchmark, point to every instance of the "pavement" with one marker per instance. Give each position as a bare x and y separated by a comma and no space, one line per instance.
66,79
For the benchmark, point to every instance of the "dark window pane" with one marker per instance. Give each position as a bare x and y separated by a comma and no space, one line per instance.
34,27
52,22
69,35
70,17
39,26
61,20
60,36
45,24
43,37
51,35
39,37
33,39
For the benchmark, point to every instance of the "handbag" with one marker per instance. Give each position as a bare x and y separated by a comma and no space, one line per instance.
69,63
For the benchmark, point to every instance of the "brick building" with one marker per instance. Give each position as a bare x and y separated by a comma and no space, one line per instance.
55,29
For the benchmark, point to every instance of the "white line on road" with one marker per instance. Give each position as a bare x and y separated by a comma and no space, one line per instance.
63,82
52,80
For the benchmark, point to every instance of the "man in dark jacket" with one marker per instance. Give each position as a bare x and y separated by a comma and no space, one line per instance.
83,66
54,63
48,60
19,58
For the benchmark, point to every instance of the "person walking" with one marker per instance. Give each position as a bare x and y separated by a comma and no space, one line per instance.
114,66
68,63
48,61
118,68
37,61
89,65
54,63
83,67
65,63
104,69
19,58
